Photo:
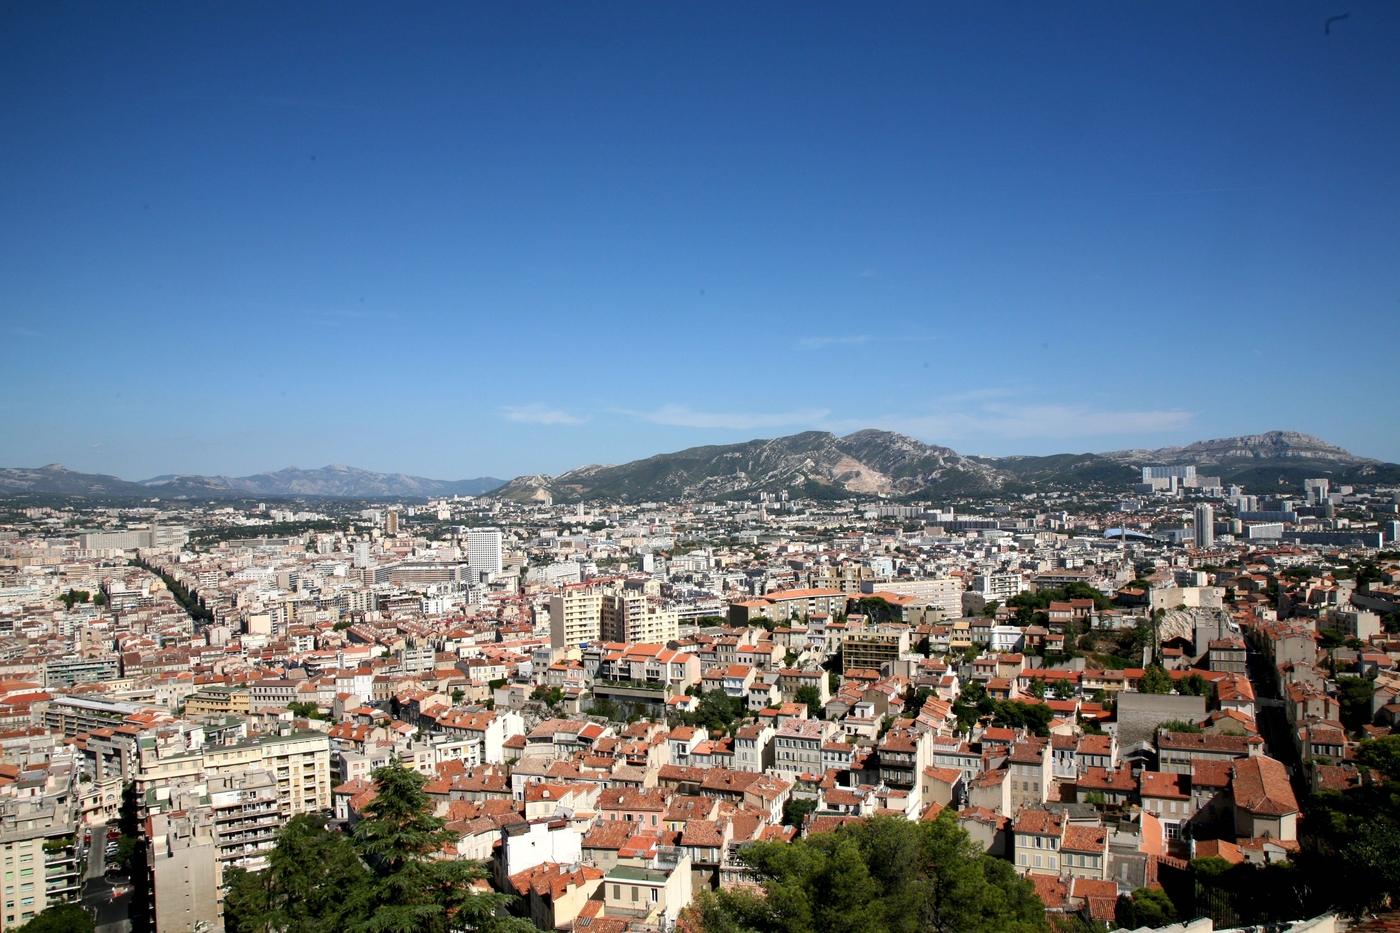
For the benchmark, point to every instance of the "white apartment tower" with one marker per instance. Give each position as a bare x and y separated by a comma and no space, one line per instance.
484,550
1204,518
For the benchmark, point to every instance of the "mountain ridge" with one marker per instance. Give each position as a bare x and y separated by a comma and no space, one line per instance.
876,462
817,464
335,481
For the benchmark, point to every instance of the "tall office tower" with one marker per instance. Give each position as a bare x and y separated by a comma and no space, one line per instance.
391,522
484,550
1205,526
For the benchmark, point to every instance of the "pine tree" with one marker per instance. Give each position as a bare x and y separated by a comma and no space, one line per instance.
391,876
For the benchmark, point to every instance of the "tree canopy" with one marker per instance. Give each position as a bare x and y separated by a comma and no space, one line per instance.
882,875
63,918
384,878
716,711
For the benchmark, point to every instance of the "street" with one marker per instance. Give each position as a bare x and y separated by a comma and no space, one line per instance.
108,912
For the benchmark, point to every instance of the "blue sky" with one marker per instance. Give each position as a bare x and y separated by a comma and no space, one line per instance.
459,239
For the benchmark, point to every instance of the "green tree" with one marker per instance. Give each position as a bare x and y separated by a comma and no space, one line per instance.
1354,695
874,876
1148,907
796,810
62,918
605,708
305,709
1195,685
314,883
1178,725
386,878
551,696
411,891
812,697
1382,753
717,711
1155,680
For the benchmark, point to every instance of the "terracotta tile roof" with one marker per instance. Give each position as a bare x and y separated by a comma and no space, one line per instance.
1081,838
1261,786
1219,848
1051,890
1165,785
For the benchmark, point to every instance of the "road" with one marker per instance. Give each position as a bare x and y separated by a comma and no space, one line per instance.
1273,721
109,913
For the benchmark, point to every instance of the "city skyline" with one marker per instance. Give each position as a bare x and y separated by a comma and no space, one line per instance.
493,242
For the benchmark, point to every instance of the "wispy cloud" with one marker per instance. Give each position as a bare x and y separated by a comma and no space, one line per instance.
540,414
1001,420
16,331
823,341
682,417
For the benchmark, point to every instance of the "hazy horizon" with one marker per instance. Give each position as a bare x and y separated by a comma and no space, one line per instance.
468,475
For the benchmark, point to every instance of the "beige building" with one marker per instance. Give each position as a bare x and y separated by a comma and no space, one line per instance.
872,648
38,858
654,891
299,763
199,832
610,612
219,700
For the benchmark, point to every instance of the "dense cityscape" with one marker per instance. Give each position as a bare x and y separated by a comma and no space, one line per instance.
636,467
1121,706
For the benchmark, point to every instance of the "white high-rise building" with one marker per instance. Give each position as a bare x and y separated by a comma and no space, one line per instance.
484,550
1205,526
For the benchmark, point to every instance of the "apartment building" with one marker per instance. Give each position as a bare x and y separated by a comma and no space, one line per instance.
299,763
38,857
872,648
797,747
65,672
943,594
70,716
199,832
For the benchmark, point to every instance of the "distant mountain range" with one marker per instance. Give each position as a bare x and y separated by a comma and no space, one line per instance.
813,464
335,481
818,464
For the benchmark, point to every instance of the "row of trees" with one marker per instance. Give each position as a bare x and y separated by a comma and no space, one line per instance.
384,877
191,603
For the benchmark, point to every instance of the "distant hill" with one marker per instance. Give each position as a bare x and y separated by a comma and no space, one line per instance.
813,464
1261,461
818,464
333,481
